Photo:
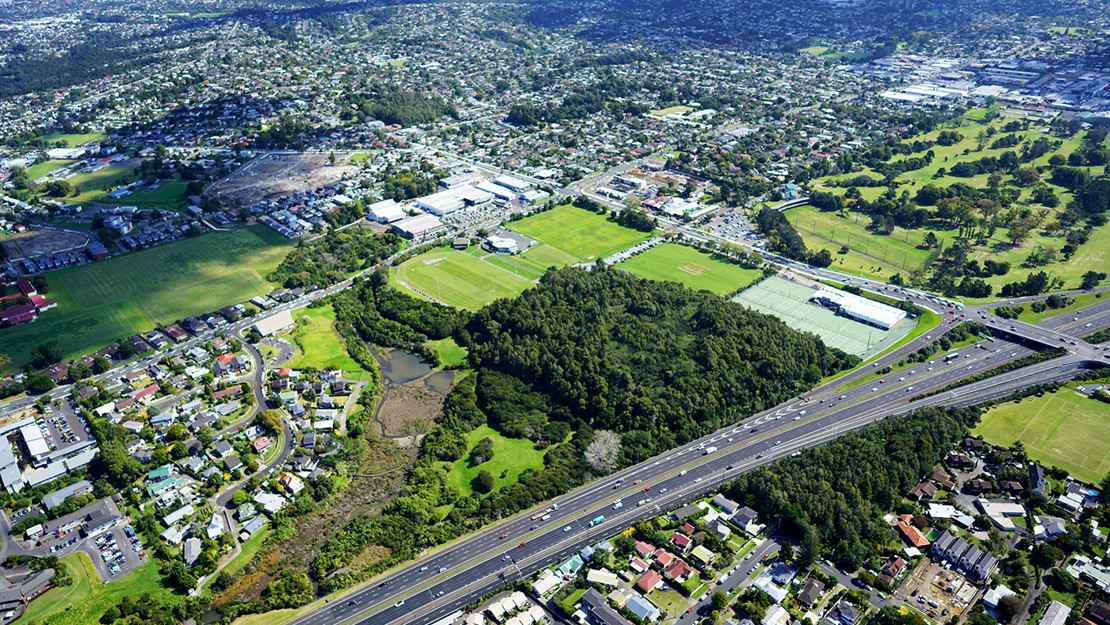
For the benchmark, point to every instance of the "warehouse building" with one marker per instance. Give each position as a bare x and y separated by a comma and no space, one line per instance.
418,227
447,202
386,212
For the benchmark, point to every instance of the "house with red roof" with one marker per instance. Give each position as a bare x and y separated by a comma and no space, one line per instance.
637,565
649,581
643,549
261,444
664,558
23,313
678,571
146,395
682,542
910,533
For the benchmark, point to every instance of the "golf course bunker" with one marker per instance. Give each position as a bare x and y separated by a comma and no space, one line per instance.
789,301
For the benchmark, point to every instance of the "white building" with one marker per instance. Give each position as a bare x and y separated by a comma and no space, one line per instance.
447,202
275,323
861,309
386,212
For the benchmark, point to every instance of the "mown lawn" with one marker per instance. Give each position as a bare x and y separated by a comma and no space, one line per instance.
690,267
511,457
169,195
457,279
34,172
574,235
86,600
107,300
73,140
317,343
450,352
1064,429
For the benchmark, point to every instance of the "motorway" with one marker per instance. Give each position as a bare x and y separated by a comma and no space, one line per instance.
468,569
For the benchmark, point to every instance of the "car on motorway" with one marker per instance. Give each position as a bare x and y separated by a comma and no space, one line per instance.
778,443
637,482
523,543
646,489
535,527
383,584
909,388
504,536
874,389
399,603
682,472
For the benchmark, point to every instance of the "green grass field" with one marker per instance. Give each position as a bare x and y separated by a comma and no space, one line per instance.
690,267
1064,429
888,253
671,110
457,278
107,300
85,600
511,456
317,343
473,278
170,196
568,235
34,172
74,139
450,352
99,180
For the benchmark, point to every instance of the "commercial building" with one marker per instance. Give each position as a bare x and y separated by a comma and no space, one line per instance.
275,323
419,226
447,202
859,308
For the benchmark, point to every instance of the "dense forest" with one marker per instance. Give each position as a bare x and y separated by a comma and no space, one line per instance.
655,361
838,493
329,259
400,107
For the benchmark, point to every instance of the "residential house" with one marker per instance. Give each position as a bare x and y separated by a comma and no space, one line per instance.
599,609
643,549
727,506
924,490
649,581
642,609
678,571
892,568
811,592
681,542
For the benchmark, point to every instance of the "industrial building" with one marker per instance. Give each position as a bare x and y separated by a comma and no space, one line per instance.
386,212
447,202
419,226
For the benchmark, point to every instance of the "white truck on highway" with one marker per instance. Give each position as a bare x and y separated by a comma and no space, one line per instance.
708,450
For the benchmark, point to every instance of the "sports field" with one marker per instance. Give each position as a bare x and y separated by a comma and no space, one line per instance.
457,278
73,140
788,301
104,301
34,172
170,196
569,235
690,267
1064,429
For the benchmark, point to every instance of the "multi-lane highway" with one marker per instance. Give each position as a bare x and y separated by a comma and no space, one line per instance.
453,576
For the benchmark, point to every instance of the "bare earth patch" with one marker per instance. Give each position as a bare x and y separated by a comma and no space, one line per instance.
39,242
694,269
407,410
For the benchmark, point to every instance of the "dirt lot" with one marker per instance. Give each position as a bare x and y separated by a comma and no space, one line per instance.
937,589
277,175
38,242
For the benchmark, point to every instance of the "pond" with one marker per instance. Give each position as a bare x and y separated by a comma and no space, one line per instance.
400,367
